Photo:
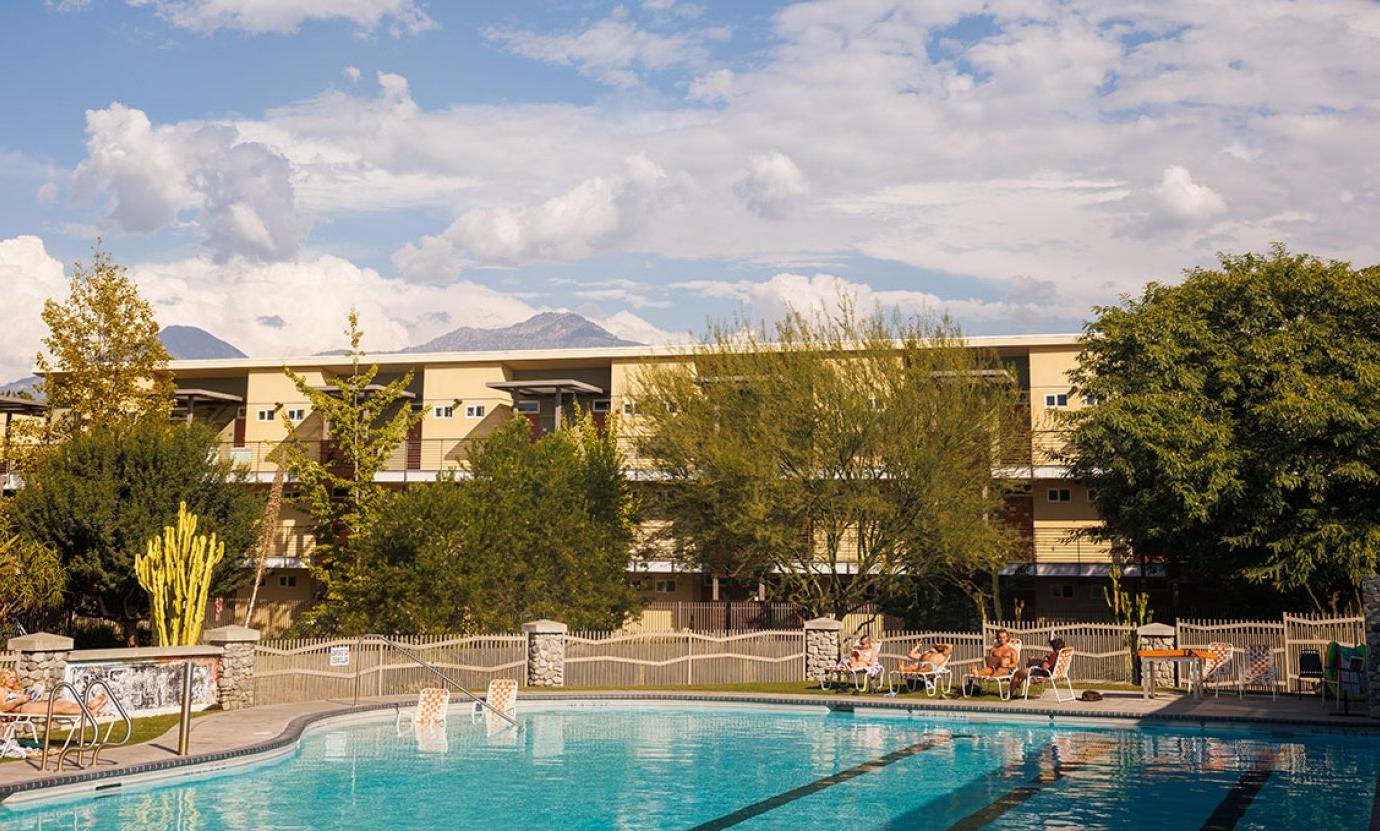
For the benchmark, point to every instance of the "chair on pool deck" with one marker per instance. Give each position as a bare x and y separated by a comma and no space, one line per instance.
935,678
1062,665
1003,682
1258,668
433,703
1310,671
1220,669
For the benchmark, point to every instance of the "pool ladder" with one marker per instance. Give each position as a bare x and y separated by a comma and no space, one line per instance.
97,742
424,664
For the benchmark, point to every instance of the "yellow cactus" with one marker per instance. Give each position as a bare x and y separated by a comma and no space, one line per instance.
176,572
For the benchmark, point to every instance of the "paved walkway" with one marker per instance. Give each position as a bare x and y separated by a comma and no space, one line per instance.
222,736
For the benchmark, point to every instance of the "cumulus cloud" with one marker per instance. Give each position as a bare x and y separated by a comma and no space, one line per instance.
596,213
712,86
239,193
1185,199
773,186
629,326
352,73
30,276
286,16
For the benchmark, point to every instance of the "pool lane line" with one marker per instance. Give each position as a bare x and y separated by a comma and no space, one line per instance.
1013,798
774,802
1375,807
1233,806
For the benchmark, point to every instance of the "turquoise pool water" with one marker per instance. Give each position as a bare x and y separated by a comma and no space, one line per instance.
681,768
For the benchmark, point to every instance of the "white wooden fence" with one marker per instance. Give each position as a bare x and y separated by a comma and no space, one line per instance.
648,659
1287,638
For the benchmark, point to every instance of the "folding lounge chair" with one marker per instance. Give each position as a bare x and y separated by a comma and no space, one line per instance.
1003,682
934,678
432,706
1258,668
1062,665
502,697
1220,668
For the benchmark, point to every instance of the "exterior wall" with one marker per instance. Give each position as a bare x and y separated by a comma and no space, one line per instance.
1049,375
446,440
1055,523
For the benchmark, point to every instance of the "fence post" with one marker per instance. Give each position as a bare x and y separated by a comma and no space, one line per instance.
545,653
821,646
1154,636
235,688
41,658
689,659
1370,606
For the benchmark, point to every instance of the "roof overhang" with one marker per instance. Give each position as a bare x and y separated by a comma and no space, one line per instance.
552,386
21,405
369,389
195,394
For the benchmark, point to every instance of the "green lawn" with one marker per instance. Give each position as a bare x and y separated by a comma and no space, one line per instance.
145,729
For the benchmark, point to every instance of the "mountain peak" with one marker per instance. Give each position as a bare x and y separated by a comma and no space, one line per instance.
547,330
191,343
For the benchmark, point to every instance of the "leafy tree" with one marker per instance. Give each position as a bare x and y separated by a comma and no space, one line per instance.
542,529
31,580
336,484
97,498
104,344
1237,432
839,458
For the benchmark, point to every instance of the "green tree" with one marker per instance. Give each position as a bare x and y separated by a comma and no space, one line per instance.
108,366
841,459
97,498
335,477
540,529
1237,430
31,580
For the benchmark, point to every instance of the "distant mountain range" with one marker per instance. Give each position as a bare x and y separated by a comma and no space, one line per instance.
548,330
192,343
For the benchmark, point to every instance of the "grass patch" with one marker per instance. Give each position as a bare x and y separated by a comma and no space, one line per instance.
146,729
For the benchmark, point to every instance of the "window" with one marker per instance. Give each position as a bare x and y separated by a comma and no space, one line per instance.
1061,591
600,406
446,411
665,587
297,414
628,408
474,411
530,407
1059,495
287,582
1056,401
265,415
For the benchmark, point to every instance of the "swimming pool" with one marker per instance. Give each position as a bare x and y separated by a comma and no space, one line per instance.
678,766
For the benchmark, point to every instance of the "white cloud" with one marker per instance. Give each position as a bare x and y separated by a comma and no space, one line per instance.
29,276
352,73
286,16
629,326
712,86
46,194
773,187
1186,199
598,212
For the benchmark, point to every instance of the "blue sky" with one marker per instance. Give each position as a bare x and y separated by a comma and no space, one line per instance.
261,167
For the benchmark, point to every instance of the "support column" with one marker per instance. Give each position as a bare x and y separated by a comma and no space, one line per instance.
1155,636
821,646
1370,605
42,658
545,653
235,688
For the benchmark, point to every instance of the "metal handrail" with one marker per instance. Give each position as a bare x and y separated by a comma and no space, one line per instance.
80,731
110,728
433,670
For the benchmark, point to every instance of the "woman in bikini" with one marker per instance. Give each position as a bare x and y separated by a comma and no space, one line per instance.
15,699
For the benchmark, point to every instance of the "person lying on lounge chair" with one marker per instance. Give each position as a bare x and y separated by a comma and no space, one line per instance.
15,699
1001,658
1046,663
864,656
931,659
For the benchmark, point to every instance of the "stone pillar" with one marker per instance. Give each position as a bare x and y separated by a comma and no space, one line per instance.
42,658
821,646
1155,636
236,683
545,653
1370,605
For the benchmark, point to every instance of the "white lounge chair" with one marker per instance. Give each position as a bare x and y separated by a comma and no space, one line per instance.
1258,667
433,705
501,697
1003,682
934,677
1062,666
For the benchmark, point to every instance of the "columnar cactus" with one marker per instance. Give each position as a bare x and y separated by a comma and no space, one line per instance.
176,572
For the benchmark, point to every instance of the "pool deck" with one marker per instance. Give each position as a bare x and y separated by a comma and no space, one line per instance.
220,741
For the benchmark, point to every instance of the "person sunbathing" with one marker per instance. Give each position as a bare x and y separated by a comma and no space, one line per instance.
1045,664
864,655
932,659
15,699
1001,658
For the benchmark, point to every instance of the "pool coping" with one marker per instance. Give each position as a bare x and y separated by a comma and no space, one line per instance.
76,783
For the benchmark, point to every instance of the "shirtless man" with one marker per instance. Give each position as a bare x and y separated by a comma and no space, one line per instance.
1001,658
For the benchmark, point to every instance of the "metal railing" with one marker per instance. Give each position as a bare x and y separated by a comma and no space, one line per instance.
407,653
97,742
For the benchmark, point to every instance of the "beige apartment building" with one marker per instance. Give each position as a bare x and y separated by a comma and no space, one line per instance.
465,396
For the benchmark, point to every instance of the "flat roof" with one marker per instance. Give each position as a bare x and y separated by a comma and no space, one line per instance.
209,395
545,386
20,404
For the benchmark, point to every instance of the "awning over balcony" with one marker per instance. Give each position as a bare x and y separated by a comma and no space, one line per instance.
371,389
191,395
540,387
19,405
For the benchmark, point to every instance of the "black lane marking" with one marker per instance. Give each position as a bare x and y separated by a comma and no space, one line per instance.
772,803
1014,797
1375,807
1238,799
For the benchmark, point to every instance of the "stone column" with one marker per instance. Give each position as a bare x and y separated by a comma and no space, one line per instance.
42,658
1370,604
821,646
236,683
1155,636
545,653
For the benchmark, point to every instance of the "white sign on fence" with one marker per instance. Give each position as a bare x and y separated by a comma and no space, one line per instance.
340,656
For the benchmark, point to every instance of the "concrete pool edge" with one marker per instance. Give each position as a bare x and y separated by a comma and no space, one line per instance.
113,779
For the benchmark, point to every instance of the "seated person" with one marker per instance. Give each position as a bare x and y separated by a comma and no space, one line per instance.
1046,664
15,699
1001,658
927,660
864,655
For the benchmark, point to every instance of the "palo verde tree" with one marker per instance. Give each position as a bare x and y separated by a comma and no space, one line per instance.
107,366
1237,433
539,529
98,497
366,422
836,457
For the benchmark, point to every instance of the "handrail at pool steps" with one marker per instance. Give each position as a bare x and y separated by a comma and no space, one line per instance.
97,743
421,662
